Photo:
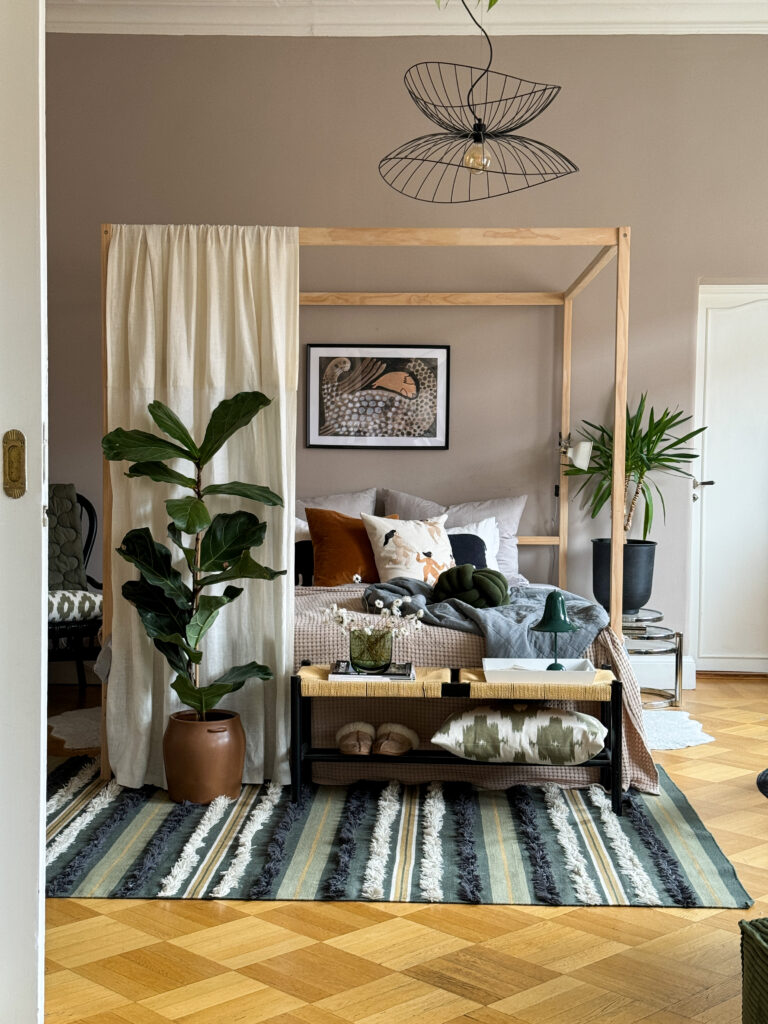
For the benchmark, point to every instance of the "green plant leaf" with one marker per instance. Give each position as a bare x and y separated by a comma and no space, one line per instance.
243,569
161,473
175,638
175,534
189,514
159,613
241,490
203,698
240,673
650,448
173,655
153,561
227,418
229,535
171,425
140,446
208,609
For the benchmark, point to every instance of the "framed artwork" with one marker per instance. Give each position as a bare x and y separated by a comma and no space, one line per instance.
377,396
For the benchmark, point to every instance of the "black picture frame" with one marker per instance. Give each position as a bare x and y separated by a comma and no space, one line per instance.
344,413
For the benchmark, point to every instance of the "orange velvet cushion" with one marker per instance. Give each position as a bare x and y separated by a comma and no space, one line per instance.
341,548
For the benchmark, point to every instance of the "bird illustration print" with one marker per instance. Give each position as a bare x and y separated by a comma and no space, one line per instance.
374,399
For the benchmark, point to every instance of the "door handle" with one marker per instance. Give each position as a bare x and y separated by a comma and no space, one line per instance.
703,483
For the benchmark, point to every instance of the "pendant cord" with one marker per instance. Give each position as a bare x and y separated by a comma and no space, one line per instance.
482,74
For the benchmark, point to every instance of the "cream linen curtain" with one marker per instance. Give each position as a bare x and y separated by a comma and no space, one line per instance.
194,315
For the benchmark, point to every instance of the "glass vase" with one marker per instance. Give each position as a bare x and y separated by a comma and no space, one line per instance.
370,652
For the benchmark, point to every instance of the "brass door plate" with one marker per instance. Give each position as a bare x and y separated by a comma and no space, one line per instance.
14,463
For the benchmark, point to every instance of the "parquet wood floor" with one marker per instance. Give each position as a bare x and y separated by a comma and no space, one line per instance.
151,962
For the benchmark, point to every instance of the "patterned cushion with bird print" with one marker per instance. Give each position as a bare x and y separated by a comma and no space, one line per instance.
411,548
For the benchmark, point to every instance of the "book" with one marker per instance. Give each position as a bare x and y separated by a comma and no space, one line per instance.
342,672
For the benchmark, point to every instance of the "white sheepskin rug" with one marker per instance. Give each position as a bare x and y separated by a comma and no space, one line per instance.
673,730
80,729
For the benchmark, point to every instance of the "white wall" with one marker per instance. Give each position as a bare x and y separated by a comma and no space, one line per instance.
23,406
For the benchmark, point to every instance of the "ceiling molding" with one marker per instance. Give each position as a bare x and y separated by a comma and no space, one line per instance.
403,17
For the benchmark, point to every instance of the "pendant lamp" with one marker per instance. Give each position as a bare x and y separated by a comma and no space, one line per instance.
478,154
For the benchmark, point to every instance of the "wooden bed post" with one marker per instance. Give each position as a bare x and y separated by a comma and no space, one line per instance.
565,429
619,428
106,512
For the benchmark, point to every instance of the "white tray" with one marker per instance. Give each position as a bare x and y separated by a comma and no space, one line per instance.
534,670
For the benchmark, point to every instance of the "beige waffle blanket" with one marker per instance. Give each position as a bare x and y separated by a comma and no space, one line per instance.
320,642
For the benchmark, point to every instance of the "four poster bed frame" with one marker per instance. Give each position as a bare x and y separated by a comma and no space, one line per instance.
614,242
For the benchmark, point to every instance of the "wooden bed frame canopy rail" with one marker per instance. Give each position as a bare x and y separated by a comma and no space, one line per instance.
614,242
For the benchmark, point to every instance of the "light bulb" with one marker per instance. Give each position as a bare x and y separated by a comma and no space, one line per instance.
476,160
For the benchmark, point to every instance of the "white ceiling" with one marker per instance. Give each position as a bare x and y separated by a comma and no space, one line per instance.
404,17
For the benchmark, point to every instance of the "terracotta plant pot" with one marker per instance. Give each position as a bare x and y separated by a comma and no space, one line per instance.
204,760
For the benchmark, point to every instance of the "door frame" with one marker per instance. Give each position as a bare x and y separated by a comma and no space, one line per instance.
711,297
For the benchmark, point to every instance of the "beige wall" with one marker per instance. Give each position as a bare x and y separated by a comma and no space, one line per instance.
669,133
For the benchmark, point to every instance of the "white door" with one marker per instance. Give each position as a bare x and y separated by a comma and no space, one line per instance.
730,521
23,554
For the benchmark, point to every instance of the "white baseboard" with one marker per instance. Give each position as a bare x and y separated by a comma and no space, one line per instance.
657,671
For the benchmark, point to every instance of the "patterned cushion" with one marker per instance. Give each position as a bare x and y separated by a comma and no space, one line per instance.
65,542
523,735
415,549
73,605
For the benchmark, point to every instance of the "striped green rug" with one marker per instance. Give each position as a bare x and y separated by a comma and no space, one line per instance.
445,843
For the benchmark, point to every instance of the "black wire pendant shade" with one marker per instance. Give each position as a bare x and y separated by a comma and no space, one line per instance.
477,155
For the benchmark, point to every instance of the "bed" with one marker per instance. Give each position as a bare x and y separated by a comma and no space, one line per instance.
318,641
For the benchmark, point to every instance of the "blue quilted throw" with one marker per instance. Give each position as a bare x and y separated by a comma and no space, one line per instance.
507,630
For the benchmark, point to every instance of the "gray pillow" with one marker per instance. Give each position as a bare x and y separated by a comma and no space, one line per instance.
350,504
506,511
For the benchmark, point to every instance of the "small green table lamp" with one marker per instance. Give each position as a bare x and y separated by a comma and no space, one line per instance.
554,620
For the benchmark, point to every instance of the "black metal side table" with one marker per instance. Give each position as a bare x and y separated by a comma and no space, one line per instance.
645,637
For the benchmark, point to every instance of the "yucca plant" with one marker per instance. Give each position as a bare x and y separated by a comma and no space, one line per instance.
651,448
177,613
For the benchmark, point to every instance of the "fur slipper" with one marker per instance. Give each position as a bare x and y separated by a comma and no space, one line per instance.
394,739
355,738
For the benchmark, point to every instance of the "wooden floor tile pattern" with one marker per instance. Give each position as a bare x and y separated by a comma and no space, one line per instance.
218,962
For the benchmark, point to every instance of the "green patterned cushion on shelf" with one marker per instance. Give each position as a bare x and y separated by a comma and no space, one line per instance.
482,588
73,605
65,542
535,735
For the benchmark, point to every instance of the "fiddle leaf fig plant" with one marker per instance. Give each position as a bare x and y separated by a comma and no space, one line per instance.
175,608
652,447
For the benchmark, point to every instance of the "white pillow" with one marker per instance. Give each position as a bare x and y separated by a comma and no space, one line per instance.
352,503
506,511
488,532
301,530
417,549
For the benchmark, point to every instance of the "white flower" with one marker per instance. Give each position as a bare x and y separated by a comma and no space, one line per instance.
379,603
357,578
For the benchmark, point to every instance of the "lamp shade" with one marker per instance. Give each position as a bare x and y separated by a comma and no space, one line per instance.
555,617
580,454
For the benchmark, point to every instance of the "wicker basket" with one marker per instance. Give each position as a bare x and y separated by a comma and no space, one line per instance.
754,970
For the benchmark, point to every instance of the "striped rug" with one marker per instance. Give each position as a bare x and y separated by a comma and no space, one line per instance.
444,842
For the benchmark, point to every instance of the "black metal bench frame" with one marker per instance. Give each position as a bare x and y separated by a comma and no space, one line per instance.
304,755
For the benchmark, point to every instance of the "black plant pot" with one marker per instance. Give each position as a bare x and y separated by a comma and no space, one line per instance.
638,573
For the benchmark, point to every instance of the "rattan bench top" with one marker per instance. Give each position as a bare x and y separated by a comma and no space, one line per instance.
429,683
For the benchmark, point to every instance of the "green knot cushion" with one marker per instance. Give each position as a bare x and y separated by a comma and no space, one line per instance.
482,588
